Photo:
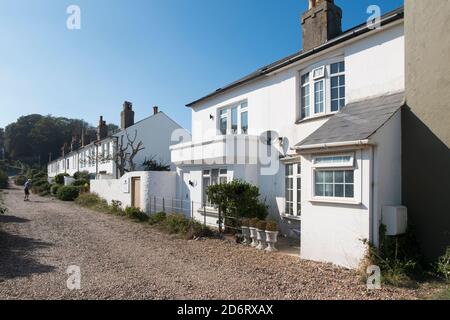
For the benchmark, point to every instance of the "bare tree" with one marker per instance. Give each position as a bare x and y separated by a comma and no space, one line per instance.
123,155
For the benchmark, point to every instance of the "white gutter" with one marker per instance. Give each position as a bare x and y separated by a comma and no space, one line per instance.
333,145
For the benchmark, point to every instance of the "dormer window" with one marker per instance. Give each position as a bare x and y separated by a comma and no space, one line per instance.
324,88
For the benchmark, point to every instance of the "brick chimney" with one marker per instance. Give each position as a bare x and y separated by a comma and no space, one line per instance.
127,115
102,129
321,23
155,110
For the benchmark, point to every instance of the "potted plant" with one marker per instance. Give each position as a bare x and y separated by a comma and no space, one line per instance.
271,235
261,235
245,223
253,234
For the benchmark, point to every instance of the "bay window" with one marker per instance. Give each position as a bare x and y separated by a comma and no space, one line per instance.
234,119
325,87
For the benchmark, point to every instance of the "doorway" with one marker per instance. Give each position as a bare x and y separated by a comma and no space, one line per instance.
136,192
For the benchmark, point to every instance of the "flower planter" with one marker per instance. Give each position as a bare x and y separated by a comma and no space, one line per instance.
261,239
253,236
246,235
271,239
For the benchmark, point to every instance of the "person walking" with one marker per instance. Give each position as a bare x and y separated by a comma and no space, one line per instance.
27,188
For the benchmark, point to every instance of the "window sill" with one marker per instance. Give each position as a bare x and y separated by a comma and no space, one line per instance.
313,118
291,217
335,200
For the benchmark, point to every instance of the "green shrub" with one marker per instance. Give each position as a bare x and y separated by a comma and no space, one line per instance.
272,226
20,180
189,229
157,218
443,265
135,213
261,225
238,199
68,193
39,176
94,202
398,258
116,208
40,187
59,178
253,223
81,175
54,189
3,180
176,223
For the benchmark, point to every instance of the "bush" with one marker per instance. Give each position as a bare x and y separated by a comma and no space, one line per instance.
238,199
3,180
40,187
93,201
272,225
68,193
157,218
59,178
443,265
54,189
20,180
261,225
81,175
81,183
253,222
398,257
189,229
135,213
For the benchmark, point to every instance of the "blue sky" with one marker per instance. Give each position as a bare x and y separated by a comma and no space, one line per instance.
153,52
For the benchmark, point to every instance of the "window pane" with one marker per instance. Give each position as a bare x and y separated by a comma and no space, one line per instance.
320,178
244,122
334,81
319,191
223,126
334,68
339,190
329,176
335,105
244,105
328,190
206,183
223,171
318,97
234,120
342,80
339,177
348,176
349,191
289,169
305,78
305,99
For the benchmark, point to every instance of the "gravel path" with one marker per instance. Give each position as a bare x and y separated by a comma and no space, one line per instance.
121,259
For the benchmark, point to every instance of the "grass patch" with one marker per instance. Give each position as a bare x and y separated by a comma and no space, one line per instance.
170,223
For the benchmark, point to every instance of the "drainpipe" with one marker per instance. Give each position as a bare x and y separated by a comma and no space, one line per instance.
96,161
373,208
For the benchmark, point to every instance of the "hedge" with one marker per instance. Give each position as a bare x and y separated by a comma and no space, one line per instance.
67,193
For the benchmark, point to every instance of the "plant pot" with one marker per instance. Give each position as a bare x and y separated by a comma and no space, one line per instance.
253,236
261,239
271,239
246,235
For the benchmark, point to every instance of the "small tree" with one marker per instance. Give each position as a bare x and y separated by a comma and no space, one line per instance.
238,199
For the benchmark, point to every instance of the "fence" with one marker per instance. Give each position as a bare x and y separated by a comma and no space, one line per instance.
188,208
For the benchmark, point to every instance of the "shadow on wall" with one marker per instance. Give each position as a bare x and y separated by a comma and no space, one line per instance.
16,253
426,184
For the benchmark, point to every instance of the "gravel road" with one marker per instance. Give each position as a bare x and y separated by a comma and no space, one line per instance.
122,259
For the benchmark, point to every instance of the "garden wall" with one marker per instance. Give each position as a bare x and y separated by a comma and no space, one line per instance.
153,183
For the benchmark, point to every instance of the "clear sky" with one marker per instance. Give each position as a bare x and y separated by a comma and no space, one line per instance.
150,52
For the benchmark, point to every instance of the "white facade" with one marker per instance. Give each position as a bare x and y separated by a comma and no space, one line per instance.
330,231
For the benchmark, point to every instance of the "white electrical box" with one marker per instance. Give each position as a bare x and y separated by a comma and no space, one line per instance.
395,218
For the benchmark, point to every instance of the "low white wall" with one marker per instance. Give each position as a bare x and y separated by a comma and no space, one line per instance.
159,184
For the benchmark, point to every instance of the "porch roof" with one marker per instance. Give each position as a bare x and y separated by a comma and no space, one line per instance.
357,121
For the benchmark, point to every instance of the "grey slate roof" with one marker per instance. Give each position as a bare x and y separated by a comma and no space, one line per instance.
356,121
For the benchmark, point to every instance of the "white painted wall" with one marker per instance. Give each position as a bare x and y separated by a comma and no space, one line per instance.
159,184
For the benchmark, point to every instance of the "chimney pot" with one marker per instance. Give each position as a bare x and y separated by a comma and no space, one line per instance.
155,109
127,115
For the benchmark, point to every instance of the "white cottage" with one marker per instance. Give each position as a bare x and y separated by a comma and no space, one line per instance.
155,132
318,132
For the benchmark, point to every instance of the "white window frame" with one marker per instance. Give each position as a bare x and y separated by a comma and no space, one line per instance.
325,76
207,173
240,107
339,165
296,188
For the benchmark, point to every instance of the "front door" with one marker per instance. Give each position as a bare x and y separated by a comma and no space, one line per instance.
136,192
